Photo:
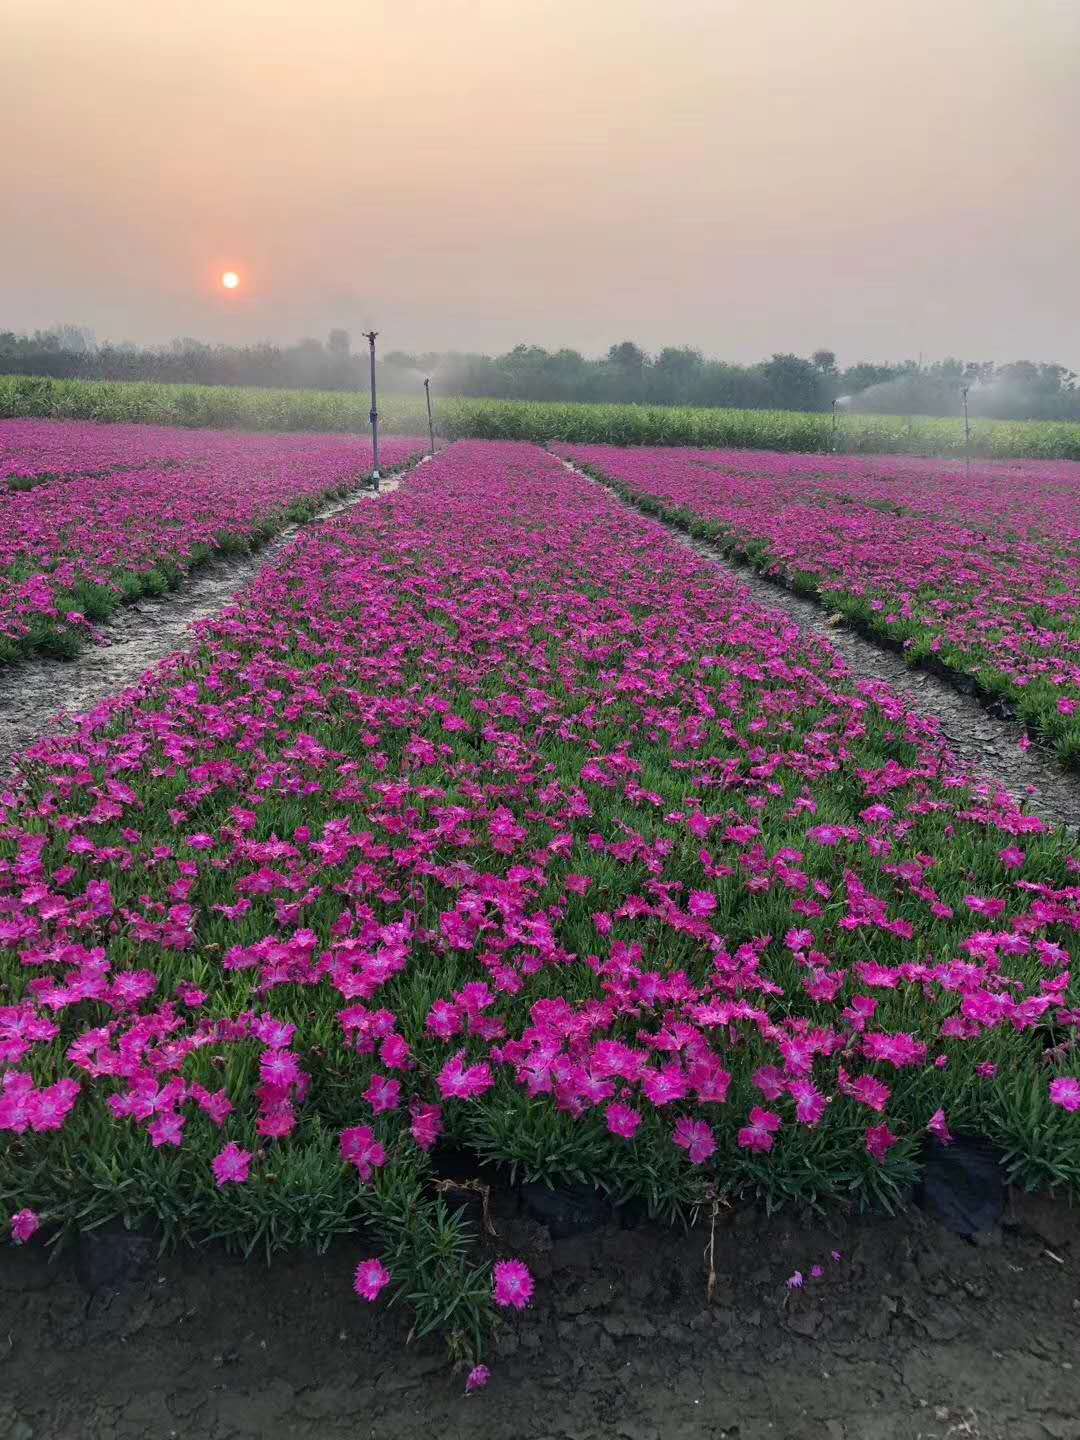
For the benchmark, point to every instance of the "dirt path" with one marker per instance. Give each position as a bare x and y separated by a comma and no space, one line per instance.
988,745
912,1335
36,693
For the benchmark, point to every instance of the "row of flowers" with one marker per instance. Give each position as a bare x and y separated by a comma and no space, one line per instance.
492,818
147,505
979,573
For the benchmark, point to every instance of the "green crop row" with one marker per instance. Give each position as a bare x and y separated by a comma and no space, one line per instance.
459,417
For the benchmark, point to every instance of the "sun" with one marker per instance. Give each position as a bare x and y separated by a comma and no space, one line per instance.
230,280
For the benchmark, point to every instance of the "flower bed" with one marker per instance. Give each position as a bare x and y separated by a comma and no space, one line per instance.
979,575
73,549
493,818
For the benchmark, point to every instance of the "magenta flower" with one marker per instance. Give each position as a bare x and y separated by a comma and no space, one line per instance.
360,1148
426,1125
938,1126
456,1080
370,1279
477,1378
760,1133
383,1093
695,1137
231,1166
1065,1091
512,1284
795,1281
879,1141
24,1225
622,1121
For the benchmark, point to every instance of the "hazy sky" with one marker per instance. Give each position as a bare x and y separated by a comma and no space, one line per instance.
880,176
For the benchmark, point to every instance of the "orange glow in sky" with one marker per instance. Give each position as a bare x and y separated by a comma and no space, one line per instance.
878,179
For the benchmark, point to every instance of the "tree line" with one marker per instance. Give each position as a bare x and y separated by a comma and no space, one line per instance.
676,375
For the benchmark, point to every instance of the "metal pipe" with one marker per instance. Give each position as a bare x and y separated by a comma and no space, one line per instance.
430,422
369,336
834,424
967,428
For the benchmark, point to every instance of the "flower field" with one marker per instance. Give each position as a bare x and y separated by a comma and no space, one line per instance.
493,822
978,574
117,512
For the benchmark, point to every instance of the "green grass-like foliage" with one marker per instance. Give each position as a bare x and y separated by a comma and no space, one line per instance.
460,417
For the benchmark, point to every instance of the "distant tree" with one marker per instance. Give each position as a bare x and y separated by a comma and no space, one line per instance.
794,383
679,375
675,375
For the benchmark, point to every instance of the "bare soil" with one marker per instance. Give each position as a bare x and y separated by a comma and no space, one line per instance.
913,1335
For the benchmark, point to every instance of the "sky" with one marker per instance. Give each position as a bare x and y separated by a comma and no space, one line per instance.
885,179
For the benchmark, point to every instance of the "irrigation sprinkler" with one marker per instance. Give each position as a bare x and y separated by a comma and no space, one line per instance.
967,428
840,400
369,336
430,422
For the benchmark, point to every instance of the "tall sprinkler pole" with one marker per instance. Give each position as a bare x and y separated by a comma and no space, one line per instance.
369,336
967,429
834,425
430,422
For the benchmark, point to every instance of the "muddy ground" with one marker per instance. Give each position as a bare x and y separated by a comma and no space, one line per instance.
914,1334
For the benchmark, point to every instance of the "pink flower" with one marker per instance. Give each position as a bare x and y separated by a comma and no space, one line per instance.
1012,858
759,1133
371,1278
866,1089
662,1087
383,1093
277,1120
458,1081
979,905
899,1050
426,1126
513,1284
477,1378
879,1141
986,1070
280,1068
24,1224
1065,1091
1066,707
816,1272
810,1103
360,1148
770,1081
166,1129
622,1121
231,1166
695,1137
938,1127
795,1281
